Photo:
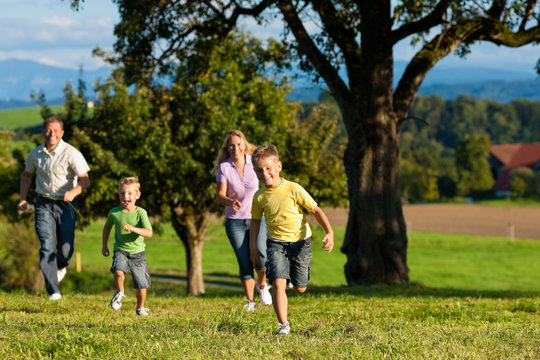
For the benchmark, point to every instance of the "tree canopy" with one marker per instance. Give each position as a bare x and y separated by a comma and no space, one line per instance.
349,45
169,136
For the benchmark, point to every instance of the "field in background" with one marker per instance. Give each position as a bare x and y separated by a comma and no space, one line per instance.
460,262
22,118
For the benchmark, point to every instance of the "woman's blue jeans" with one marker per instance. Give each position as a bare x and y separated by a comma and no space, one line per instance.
55,228
238,234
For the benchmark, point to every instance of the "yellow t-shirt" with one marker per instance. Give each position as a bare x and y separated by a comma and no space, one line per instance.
284,210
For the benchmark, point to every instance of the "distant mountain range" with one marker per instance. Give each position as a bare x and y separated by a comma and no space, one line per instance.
19,78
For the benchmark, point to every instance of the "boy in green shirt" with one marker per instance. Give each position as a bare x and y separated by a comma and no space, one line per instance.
131,226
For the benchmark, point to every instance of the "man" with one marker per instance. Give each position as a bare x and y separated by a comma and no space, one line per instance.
61,175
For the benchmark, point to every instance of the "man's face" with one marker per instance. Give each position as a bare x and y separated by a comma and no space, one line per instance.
52,132
267,171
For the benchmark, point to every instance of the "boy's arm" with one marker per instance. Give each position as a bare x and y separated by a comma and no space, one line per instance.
144,232
254,253
105,239
328,239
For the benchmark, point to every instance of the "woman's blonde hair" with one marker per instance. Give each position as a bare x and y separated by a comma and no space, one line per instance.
223,152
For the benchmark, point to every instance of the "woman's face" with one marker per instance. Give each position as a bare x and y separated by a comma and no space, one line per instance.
236,147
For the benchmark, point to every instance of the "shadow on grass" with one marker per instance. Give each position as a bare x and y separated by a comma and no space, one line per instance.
222,285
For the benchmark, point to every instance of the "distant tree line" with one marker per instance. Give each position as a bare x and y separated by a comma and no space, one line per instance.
445,145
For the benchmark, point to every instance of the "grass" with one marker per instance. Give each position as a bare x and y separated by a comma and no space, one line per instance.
470,298
22,118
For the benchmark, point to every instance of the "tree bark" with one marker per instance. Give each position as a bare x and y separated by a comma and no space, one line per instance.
191,227
376,237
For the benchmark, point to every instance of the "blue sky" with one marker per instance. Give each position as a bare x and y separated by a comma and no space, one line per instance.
48,31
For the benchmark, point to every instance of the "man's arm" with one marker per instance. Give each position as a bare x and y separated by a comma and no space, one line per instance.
26,180
328,239
83,183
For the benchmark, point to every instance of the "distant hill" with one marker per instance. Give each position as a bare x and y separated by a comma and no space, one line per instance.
19,78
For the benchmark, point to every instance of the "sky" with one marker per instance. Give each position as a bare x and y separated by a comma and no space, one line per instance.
50,32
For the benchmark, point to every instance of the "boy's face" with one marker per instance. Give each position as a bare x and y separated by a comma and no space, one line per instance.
267,171
128,195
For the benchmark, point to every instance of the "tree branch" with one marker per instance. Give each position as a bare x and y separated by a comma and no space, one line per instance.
529,10
309,49
436,17
338,31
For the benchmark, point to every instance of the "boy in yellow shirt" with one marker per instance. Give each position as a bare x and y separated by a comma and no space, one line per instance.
284,204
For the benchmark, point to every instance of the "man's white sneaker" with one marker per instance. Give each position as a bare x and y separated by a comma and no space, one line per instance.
142,312
250,306
264,295
284,329
116,301
61,273
55,296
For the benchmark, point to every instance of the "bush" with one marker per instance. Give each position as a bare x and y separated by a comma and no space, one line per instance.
19,257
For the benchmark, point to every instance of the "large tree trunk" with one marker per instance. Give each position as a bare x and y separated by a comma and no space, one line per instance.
375,239
191,225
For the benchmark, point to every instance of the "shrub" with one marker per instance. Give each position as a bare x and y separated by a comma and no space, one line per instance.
19,257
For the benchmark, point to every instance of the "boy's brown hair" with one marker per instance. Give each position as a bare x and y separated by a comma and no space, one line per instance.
265,151
131,180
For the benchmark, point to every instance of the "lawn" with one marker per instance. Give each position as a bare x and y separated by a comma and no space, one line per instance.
22,118
469,298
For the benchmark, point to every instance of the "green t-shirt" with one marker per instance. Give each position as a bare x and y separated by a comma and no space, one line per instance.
125,240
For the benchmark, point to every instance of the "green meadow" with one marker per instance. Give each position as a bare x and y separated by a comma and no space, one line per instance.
22,118
469,298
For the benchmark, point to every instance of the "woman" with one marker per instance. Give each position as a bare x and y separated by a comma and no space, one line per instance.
236,184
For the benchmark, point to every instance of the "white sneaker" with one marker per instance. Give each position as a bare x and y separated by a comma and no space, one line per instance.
116,301
250,306
55,296
264,294
61,273
142,312
284,329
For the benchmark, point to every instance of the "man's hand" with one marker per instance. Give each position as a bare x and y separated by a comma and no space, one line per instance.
22,205
105,251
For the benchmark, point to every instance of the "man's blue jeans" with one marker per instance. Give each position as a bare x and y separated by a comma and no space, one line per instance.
55,228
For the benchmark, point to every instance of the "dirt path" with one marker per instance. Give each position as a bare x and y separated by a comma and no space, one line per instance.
464,219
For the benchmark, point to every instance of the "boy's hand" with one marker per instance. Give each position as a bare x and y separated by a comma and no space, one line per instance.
105,251
255,256
128,227
328,242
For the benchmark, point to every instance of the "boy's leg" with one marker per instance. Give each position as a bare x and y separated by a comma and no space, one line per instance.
141,279
141,296
119,278
279,299
301,265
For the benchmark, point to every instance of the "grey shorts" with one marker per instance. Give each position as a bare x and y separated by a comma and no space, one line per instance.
289,260
135,264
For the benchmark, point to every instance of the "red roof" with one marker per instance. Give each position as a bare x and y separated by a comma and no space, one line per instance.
504,153
513,156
